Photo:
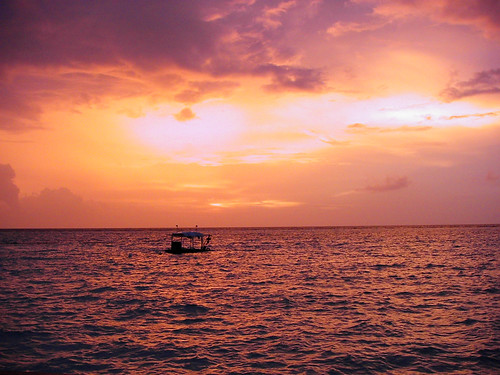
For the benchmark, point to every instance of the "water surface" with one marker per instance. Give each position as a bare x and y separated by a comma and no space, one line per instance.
266,301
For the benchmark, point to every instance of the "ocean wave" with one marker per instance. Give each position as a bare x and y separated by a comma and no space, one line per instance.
394,300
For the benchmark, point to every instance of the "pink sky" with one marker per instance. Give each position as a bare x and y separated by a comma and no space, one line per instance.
249,113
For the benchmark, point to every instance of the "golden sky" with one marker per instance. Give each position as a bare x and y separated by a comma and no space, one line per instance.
249,113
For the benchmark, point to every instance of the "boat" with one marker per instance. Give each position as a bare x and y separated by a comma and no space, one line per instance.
189,242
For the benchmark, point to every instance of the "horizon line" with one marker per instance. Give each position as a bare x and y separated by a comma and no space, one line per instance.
257,227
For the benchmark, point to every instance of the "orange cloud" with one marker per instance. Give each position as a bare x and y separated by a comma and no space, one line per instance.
365,129
486,114
198,91
185,115
268,203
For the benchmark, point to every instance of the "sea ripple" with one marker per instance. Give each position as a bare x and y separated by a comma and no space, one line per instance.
362,300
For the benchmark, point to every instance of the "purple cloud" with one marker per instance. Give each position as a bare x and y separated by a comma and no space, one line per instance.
483,15
221,37
141,46
391,183
485,82
71,33
17,112
291,78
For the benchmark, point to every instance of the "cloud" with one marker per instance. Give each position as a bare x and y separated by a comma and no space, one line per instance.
291,78
475,115
341,28
73,53
198,91
56,208
406,128
82,52
358,128
62,202
485,82
268,203
185,115
334,142
104,32
271,17
53,208
17,111
220,38
9,192
23,96
483,15
391,183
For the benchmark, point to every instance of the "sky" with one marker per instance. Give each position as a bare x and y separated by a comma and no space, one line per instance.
249,113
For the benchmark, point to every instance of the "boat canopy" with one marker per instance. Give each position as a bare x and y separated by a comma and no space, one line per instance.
188,234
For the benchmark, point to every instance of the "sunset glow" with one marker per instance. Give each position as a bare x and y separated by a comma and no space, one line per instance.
249,113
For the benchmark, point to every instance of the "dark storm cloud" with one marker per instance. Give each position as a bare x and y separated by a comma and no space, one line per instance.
190,34
84,51
43,43
485,82
60,32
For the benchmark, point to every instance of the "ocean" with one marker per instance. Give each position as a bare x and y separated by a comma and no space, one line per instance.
339,300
